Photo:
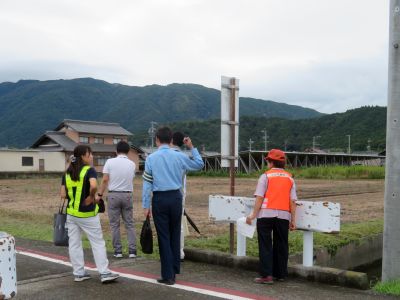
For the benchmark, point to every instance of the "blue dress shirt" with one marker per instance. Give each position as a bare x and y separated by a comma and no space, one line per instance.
164,170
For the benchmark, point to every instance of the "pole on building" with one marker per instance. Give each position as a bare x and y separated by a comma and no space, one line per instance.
232,160
391,233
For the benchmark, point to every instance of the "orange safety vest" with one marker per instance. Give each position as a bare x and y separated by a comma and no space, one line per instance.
277,195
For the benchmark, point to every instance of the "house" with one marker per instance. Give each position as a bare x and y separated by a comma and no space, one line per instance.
30,160
102,137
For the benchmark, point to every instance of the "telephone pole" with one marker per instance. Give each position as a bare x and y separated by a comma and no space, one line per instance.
349,148
250,143
314,142
152,132
265,139
391,228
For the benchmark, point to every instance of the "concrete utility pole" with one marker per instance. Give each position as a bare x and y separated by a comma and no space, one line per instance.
391,232
250,143
314,142
265,139
152,132
349,148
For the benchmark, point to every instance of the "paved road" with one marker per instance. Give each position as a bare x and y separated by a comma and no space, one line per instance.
43,273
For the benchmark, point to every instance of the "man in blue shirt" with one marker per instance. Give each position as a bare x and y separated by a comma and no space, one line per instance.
163,176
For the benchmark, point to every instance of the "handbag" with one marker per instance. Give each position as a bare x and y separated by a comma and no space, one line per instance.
146,237
60,233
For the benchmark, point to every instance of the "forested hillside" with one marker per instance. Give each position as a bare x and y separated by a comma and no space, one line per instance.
30,107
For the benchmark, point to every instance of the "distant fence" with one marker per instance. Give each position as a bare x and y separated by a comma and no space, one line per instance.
251,161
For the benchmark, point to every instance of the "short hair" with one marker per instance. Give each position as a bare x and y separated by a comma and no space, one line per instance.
177,138
123,147
277,163
164,135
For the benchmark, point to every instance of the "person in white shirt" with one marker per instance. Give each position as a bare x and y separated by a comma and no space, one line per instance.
118,174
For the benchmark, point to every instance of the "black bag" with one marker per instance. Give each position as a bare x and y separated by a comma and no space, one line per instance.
60,234
146,237
102,206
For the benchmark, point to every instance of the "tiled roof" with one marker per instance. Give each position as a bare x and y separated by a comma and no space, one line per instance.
94,127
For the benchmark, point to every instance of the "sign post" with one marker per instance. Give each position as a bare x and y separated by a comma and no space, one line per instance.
229,136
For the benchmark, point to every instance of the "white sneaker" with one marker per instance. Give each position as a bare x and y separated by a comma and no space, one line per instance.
107,277
79,278
132,255
118,255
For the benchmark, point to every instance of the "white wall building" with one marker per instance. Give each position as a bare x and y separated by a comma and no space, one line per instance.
31,160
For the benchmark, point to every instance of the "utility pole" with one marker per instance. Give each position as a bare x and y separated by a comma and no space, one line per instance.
250,143
286,141
265,139
349,148
369,145
314,142
391,228
152,132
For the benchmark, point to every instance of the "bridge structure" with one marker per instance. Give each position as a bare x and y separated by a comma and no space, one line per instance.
252,161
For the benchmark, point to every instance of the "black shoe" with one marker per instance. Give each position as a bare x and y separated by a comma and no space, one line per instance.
166,281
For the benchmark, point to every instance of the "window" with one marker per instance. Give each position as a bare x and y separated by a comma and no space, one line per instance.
98,140
27,161
84,139
99,160
116,140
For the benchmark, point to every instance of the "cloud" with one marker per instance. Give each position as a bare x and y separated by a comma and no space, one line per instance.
329,55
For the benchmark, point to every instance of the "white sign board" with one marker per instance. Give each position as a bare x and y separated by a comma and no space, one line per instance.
318,216
226,92
229,208
311,216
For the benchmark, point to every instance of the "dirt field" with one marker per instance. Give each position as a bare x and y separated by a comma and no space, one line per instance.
361,200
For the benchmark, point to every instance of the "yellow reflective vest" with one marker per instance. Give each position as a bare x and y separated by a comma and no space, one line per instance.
74,202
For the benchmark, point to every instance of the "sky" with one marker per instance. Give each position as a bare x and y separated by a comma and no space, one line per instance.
329,55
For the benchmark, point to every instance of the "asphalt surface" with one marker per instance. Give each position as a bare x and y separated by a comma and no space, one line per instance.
43,279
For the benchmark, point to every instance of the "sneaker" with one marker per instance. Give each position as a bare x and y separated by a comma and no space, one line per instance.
264,280
107,277
132,254
118,255
79,278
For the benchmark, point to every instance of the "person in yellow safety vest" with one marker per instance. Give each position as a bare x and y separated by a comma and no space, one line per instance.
275,210
79,186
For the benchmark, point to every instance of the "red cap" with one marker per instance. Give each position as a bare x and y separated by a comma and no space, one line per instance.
276,154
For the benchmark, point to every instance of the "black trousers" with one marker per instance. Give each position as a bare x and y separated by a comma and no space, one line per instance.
273,246
167,215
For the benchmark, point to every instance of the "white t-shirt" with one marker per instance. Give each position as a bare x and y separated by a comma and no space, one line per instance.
121,171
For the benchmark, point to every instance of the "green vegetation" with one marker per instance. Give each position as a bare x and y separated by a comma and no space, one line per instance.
340,172
363,124
349,233
389,288
133,107
328,172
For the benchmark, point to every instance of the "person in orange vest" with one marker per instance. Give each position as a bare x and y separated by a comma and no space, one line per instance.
275,210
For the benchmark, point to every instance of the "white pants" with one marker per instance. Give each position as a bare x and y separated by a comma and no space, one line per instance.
92,228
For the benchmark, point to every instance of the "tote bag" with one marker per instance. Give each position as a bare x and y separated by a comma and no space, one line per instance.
60,233
146,237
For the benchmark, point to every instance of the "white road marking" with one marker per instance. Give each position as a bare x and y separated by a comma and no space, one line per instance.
140,278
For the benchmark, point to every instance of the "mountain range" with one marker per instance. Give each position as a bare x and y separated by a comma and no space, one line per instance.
30,107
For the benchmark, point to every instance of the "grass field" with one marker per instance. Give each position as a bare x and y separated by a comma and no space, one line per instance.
27,207
328,172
